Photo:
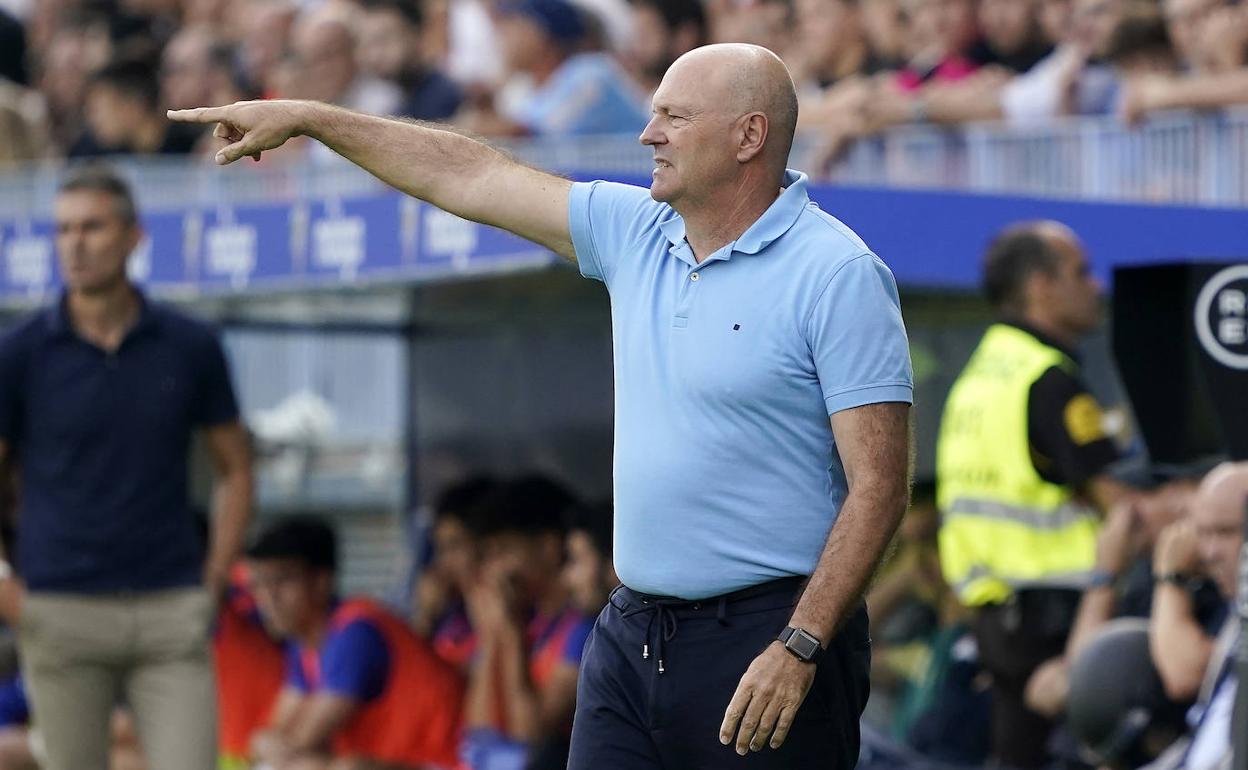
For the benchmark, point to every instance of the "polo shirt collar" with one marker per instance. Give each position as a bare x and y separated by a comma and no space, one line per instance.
58,324
775,221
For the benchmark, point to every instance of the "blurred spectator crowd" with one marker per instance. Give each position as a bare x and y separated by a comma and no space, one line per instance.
91,77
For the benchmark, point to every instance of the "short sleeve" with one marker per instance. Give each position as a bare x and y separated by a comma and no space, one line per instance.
295,676
356,661
858,339
216,403
12,387
605,218
1066,427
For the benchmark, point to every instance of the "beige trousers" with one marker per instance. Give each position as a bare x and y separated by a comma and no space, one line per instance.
83,654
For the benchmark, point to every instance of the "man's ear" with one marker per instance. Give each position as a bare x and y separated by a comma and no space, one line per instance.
753,136
134,236
1037,289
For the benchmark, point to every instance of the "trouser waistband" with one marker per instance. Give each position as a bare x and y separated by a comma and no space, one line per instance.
667,611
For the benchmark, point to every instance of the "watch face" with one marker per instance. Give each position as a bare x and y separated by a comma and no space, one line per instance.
803,644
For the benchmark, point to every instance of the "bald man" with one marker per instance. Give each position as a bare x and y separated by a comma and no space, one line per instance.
1204,545
1190,662
1021,473
762,394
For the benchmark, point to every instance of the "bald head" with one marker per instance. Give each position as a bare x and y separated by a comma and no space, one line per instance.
1218,512
739,79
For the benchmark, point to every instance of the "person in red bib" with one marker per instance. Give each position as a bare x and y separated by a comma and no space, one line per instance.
529,633
362,689
249,665
439,613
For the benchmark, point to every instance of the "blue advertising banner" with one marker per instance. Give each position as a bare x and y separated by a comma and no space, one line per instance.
931,239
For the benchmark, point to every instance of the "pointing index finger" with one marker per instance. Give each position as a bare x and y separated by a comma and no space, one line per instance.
198,115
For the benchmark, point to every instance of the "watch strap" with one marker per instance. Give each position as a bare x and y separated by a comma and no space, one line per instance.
802,644
1175,578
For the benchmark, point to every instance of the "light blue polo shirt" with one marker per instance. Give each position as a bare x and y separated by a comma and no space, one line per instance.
726,471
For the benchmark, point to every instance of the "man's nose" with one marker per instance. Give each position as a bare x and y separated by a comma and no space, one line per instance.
651,135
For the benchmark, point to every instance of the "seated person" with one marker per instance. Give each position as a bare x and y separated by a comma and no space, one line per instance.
391,47
250,666
556,87
1131,548
588,572
1118,712
1210,547
916,618
522,689
439,613
360,685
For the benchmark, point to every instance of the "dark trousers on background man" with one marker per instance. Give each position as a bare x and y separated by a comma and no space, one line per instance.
1014,639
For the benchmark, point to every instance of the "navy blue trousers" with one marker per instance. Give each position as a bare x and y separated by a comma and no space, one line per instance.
630,715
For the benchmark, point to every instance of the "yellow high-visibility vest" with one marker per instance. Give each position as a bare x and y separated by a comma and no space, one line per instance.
1003,527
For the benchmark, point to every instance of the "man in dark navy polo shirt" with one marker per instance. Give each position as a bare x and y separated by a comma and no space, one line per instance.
99,396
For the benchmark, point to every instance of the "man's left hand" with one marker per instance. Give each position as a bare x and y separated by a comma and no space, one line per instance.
766,700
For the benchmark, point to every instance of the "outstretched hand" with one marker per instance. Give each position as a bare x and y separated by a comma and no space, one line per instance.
249,127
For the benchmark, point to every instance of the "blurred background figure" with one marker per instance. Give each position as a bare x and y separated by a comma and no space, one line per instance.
454,568
530,633
117,587
1131,683
250,665
1118,708
124,115
940,37
662,31
359,682
323,46
391,48
588,572
918,621
198,67
556,86
831,46
262,29
1021,472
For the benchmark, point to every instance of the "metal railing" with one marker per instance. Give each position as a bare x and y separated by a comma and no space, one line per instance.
1175,158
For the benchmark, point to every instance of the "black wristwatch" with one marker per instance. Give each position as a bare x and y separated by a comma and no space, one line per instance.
1186,582
803,644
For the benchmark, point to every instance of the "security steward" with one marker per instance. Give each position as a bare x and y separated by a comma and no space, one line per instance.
1020,466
